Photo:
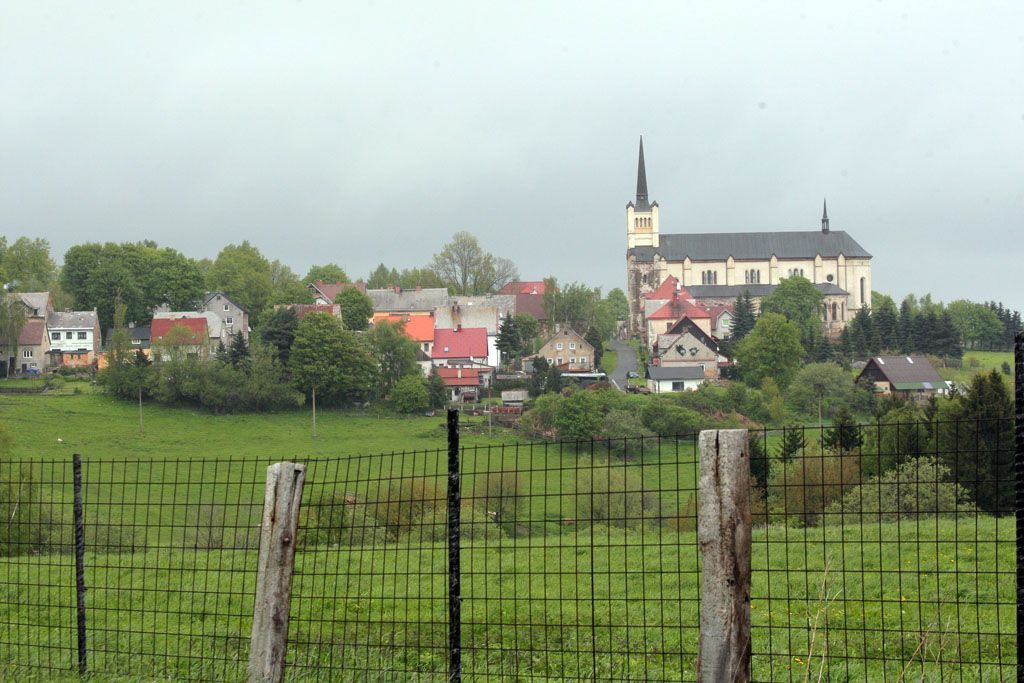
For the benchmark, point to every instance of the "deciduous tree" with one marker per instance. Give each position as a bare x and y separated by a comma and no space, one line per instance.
356,308
772,349
467,269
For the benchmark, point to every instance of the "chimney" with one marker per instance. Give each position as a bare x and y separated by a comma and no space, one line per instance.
458,328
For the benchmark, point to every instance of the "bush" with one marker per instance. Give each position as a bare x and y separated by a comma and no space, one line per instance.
624,432
664,418
209,526
341,520
27,519
606,494
501,497
431,526
407,500
914,489
800,490
685,520
410,395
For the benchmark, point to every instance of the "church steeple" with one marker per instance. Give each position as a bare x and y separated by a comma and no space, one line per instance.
641,181
824,218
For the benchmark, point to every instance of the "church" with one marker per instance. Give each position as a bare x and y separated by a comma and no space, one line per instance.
714,268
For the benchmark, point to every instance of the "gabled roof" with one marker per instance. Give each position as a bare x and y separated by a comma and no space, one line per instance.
668,289
686,325
140,333
468,342
419,328
746,246
33,333
328,290
523,287
904,370
161,326
676,308
460,377
717,312
674,372
72,320
210,296
35,301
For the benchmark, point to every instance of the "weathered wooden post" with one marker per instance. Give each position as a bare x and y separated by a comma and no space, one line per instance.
723,531
274,577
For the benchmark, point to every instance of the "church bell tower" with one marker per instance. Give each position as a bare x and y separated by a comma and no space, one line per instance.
641,214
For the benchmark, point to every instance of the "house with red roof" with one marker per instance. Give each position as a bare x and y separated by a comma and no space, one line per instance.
672,311
326,292
683,358
461,346
188,336
463,383
529,296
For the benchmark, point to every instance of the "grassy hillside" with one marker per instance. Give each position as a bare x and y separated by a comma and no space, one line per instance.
975,362
896,600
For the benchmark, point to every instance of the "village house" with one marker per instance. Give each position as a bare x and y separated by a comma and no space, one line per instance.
302,310
479,311
683,358
326,292
910,377
529,296
232,318
74,337
186,336
568,350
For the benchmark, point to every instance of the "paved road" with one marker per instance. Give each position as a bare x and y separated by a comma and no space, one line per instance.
627,363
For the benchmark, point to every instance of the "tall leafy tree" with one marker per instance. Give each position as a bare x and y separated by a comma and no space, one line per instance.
574,305
245,275
13,317
278,330
329,272
382,277
467,269
979,326
618,302
799,301
26,263
593,337
821,388
356,308
772,349
395,354
287,288
331,363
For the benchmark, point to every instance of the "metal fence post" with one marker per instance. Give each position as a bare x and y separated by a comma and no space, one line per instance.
274,578
1018,469
454,568
76,462
724,535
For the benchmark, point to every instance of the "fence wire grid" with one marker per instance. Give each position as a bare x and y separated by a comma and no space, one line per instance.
880,551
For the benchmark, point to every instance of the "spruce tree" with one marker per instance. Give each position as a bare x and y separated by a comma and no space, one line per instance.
844,436
745,318
238,351
793,443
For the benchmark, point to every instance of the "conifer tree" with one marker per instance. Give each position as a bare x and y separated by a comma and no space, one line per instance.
745,317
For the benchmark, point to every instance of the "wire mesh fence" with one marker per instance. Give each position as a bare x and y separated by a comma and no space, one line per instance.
881,551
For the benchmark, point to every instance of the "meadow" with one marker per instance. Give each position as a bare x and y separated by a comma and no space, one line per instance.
171,525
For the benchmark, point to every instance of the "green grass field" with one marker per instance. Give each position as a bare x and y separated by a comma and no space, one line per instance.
918,600
975,362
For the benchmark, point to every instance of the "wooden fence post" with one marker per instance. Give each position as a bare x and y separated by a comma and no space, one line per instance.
274,579
723,531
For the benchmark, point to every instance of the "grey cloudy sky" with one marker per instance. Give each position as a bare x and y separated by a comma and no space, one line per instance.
370,132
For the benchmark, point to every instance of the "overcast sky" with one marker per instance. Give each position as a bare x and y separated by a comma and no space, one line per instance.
360,133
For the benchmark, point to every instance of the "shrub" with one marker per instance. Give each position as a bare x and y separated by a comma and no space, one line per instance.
800,490
624,432
341,520
210,526
500,496
410,395
665,418
606,494
431,526
27,519
685,519
407,500
915,488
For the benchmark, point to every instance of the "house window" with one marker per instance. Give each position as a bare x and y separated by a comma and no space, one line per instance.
228,308
229,321
558,346
678,386
55,336
136,341
583,360
558,361
27,353
81,335
572,345
572,360
67,335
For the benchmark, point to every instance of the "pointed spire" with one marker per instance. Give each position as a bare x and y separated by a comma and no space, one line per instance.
824,218
641,181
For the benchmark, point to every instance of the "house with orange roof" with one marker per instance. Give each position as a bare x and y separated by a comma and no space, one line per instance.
419,328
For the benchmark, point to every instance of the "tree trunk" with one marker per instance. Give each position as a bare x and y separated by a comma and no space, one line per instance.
314,411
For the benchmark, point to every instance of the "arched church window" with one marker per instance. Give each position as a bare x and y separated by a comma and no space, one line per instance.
715,277
834,309
862,297
636,222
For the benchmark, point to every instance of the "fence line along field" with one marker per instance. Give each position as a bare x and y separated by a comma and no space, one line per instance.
579,560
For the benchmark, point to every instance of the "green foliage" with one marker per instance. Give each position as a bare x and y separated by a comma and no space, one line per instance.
403,504
411,395
13,317
614,496
502,497
901,437
467,269
745,318
845,434
142,276
436,389
329,272
819,389
758,453
624,432
238,351
341,520
574,305
979,326
578,416
331,360
278,330
976,441
799,301
618,303
510,341
356,308
287,288
917,488
395,354
664,417
793,443
26,264
593,337
800,490
529,328
245,276
772,349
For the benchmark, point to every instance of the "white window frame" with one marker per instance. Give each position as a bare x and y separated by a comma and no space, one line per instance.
558,346
229,321
583,360
572,360
572,346
227,307
55,336
26,353
559,361
67,335
83,335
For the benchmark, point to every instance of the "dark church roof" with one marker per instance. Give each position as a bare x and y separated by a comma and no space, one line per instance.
641,181
711,246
